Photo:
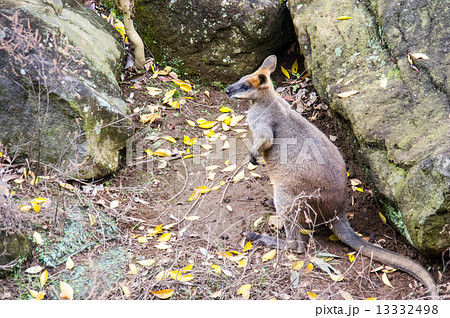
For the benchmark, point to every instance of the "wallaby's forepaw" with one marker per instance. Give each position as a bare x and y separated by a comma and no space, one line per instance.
253,160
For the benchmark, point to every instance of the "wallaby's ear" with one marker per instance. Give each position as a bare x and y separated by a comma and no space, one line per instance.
269,64
263,80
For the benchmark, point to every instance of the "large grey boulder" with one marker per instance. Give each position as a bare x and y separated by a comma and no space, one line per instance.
218,40
403,129
60,102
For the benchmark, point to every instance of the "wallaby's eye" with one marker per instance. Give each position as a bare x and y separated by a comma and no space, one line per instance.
244,86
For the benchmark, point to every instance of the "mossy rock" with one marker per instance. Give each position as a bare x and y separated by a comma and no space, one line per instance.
14,247
400,114
214,39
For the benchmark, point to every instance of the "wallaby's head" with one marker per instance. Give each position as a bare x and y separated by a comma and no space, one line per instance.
256,85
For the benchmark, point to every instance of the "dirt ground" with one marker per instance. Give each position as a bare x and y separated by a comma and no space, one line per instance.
207,232
223,215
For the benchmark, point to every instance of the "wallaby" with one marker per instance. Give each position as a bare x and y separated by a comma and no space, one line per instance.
307,171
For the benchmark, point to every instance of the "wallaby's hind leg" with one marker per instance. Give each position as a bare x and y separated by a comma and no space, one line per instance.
293,241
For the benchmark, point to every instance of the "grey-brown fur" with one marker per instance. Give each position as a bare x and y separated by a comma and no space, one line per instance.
307,171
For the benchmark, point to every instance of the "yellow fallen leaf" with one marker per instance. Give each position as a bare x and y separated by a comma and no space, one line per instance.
91,219
235,120
207,124
344,18
242,263
358,189
309,267
133,269
286,73
186,87
188,268
186,278
209,133
169,226
383,218
240,176
383,83
162,275
217,269
347,94
192,218
247,247
371,298
149,152
169,138
190,123
294,67
222,117
419,56
146,262
176,275
225,127
227,120
188,141
67,186
66,291
149,118
37,238
194,196
269,255
114,204
43,278
163,294
177,81
225,109
154,91
312,296
69,263
385,280
229,168
142,239
334,237
244,290
38,200
162,153
125,290
36,207
25,207
336,278
298,265
351,257
157,230
201,120
168,96
388,270
34,293
306,232
40,295
165,237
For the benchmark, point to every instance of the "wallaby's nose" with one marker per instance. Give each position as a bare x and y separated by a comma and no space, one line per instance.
227,91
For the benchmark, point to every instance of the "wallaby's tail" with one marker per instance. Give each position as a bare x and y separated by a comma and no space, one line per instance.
341,227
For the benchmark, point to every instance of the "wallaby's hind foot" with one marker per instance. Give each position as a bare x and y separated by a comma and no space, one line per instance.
266,240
